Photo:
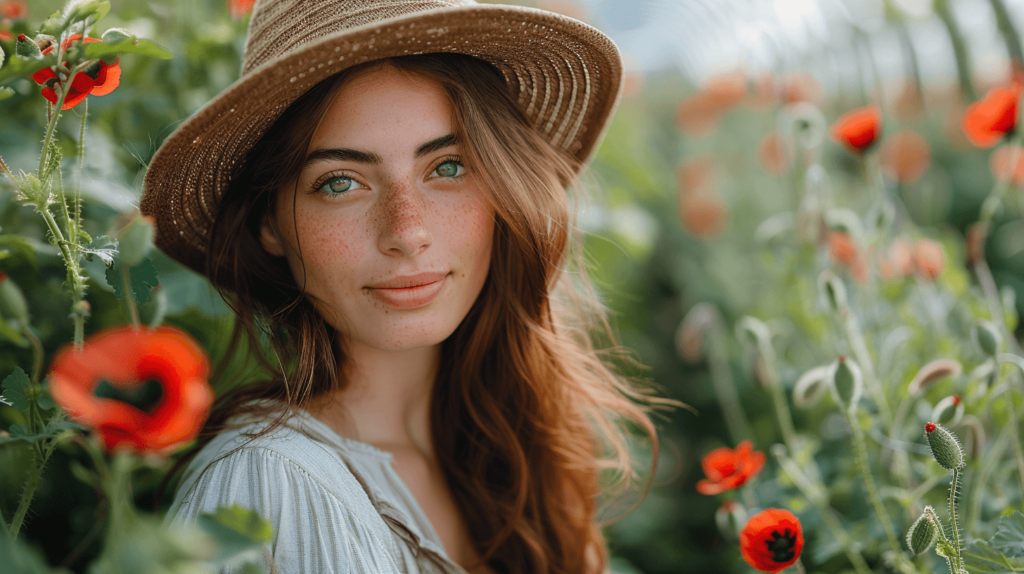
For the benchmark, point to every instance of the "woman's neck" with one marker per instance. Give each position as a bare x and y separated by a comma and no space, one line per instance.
387,400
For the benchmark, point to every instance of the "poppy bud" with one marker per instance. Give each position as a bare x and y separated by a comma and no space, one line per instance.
932,372
846,382
12,301
832,290
27,48
948,411
117,35
754,331
44,41
810,386
988,338
946,448
135,240
921,535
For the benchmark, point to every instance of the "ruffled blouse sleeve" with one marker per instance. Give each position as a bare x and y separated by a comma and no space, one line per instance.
314,530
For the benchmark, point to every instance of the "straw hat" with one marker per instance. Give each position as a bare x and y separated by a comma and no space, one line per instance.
567,76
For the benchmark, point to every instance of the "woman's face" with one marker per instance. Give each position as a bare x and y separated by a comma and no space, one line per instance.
395,233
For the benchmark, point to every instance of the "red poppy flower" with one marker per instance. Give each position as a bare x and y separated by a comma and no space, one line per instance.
929,259
13,9
727,469
6,36
772,540
858,129
906,156
98,80
989,119
239,8
771,152
141,389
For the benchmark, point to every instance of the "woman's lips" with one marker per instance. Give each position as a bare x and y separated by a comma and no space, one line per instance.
410,297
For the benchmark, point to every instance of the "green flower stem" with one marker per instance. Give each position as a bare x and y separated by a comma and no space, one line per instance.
1009,31
942,535
55,116
778,396
37,351
869,481
860,351
963,66
81,168
953,486
988,285
26,495
818,496
129,299
725,387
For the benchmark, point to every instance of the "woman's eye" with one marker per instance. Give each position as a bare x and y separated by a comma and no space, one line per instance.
338,185
450,168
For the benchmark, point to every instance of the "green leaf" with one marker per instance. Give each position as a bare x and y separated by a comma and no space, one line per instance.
141,46
1004,552
18,558
239,532
104,247
143,278
11,244
5,91
45,401
16,389
17,67
12,334
85,9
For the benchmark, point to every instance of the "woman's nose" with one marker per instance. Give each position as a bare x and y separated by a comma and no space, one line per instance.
403,231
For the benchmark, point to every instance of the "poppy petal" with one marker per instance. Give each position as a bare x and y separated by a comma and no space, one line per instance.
108,79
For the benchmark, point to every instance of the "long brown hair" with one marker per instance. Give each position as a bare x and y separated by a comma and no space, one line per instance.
529,404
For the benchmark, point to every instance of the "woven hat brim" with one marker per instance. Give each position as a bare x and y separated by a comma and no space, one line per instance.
568,76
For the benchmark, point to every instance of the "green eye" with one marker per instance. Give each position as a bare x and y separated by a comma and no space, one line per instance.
345,184
449,168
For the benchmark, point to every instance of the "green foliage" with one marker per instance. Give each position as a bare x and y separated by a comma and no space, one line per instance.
143,279
240,534
17,389
1004,552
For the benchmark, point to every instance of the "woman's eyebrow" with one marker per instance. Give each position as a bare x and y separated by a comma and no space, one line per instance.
360,156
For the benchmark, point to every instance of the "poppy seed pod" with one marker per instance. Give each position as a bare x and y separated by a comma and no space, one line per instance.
946,448
846,382
921,535
987,336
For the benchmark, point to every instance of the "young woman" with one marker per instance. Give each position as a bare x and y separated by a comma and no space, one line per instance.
396,240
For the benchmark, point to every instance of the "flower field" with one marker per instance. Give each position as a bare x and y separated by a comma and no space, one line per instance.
828,276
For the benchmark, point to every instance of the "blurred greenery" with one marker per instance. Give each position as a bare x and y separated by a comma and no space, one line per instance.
648,267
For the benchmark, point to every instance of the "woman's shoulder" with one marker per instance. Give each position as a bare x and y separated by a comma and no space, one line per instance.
301,486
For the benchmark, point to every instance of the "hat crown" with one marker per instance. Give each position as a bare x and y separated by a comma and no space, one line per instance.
277,27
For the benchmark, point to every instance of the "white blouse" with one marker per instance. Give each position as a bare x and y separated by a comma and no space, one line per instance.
336,504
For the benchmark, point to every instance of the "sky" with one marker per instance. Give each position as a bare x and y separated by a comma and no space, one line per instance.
704,37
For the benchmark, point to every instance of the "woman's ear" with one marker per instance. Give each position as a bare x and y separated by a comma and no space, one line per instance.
269,237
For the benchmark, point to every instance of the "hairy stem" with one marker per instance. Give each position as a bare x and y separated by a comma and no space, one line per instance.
869,481
953,486
26,495
860,351
725,387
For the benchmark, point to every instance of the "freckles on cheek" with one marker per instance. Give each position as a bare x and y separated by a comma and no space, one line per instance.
327,248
